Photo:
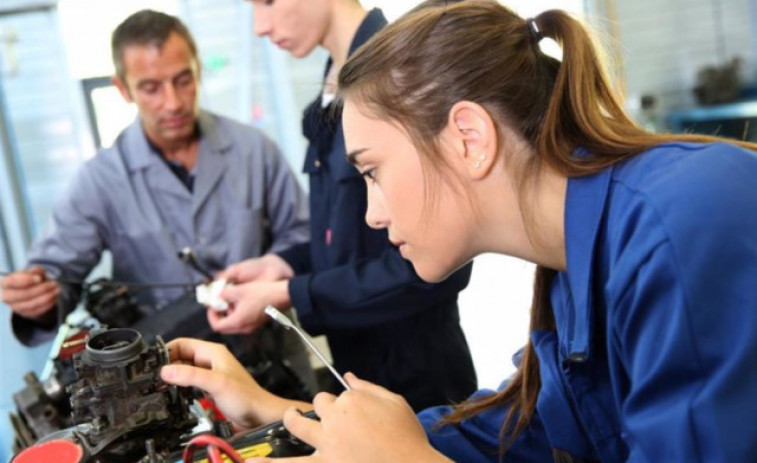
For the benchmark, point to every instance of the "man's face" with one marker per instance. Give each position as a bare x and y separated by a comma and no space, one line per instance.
163,83
297,26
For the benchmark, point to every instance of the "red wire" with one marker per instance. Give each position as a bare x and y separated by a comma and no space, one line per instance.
214,455
216,448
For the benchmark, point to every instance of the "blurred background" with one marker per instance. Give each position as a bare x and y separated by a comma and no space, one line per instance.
683,65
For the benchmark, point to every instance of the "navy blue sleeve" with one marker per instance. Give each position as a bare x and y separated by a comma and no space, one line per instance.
477,439
368,292
298,257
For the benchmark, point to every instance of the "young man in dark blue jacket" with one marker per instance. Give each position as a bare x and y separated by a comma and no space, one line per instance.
349,282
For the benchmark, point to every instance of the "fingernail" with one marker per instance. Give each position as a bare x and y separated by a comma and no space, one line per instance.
37,279
294,409
168,372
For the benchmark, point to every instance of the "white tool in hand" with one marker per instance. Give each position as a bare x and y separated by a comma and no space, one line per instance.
209,294
287,323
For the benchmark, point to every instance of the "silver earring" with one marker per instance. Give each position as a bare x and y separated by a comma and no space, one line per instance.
481,159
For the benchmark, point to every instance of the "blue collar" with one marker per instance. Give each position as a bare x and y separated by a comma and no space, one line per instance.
373,22
585,204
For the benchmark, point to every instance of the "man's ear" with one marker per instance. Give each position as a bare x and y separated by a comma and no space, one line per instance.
474,136
121,86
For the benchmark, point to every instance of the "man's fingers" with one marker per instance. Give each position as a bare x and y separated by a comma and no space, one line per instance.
234,272
37,271
217,320
34,307
232,293
225,324
23,280
234,321
225,274
214,317
14,294
306,429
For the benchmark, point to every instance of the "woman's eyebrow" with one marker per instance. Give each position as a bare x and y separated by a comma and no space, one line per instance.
352,155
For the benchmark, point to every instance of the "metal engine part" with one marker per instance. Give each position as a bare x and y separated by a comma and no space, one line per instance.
42,405
112,305
42,408
121,408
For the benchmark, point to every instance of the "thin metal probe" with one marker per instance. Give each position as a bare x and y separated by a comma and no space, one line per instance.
287,323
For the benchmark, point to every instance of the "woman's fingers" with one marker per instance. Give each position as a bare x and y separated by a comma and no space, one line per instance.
307,459
306,429
369,387
196,352
185,375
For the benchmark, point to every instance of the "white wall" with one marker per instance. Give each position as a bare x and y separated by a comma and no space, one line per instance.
663,44
494,309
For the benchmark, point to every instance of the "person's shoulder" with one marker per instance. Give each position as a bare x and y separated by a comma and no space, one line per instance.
104,161
97,178
230,127
116,157
689,187
244,142
686,167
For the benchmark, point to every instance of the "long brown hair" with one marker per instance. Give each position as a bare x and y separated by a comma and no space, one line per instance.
416,69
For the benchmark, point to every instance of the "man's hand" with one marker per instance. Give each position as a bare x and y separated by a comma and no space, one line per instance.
28,293
270,267
247,303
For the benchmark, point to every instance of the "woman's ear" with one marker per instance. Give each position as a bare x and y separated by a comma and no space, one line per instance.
473,135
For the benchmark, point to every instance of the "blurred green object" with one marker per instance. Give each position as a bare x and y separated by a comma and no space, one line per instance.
215,62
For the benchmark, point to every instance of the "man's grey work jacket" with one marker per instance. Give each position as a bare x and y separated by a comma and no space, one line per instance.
245,201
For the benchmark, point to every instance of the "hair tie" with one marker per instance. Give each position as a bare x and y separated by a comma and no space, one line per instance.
534,30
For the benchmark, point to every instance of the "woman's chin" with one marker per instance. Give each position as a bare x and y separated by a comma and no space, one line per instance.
431,273
434,272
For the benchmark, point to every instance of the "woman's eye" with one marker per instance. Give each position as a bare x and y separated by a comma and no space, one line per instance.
369,173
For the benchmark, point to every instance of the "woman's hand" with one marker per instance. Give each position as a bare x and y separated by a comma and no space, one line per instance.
212,368
365,424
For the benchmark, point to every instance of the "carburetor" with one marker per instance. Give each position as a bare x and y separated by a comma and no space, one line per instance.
122,399
121,409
